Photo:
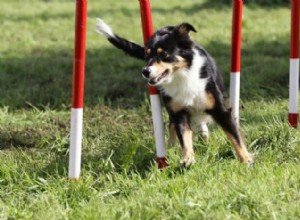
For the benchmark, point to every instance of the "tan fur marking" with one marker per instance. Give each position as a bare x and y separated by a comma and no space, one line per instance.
181,63
187,138
172,134
187,151
161,67
148,51
210,101
240,149
159,50
175,106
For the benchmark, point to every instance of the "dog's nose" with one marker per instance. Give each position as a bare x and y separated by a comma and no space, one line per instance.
146,72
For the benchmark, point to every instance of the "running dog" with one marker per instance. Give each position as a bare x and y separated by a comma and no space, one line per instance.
189,82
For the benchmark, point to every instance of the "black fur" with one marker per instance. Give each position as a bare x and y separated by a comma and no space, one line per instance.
128,47
172,45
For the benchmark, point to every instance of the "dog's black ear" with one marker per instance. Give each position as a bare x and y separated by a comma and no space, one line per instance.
184,29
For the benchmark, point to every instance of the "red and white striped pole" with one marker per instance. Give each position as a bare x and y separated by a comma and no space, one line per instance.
78,89
236,41
158,124
294,64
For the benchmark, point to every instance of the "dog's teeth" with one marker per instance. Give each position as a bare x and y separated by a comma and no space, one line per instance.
103,28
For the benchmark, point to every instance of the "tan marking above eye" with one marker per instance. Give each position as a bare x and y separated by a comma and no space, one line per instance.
159,50
148,51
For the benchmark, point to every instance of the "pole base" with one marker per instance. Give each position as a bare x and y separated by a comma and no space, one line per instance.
293,119
162,162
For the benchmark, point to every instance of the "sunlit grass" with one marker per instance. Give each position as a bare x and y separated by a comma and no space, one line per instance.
119,178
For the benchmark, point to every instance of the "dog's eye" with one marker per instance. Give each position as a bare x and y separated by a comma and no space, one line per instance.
163,54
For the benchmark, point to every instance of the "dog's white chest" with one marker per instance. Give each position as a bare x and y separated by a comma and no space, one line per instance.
188,92
185,86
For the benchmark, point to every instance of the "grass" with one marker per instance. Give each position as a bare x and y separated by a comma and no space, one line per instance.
119,178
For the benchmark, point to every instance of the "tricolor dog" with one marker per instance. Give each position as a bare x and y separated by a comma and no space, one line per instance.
189,82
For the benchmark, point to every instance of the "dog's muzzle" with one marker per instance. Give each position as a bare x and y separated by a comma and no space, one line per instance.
148,70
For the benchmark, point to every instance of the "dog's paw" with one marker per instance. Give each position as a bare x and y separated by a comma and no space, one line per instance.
204,135
103,28
250,162
187,161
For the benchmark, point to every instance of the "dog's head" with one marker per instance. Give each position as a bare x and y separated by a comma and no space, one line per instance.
167,51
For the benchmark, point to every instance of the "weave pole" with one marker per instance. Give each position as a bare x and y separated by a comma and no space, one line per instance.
159,134
78,89
236,41
294,64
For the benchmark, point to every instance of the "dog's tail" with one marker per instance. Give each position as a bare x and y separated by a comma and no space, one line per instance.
130,48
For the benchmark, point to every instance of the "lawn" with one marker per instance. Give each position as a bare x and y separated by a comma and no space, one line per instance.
119,178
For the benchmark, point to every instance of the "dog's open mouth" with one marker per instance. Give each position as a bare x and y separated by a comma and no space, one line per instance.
153,81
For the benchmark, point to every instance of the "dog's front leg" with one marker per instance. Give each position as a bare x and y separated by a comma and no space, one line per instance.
181,121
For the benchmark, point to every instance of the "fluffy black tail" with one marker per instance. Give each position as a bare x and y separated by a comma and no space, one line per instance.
130,48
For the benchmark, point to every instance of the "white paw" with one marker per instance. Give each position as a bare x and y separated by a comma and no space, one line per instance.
204,131
187,161
204,135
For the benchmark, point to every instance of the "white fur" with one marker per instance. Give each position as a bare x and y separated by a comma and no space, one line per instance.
186,87
199,121
153,71
104,29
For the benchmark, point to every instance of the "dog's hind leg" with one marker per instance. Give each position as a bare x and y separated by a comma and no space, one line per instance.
224,118
204,131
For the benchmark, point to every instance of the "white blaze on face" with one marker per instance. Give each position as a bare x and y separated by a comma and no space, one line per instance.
153,71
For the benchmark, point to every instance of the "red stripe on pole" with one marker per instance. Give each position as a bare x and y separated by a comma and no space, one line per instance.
236,38
147,27
162,162
153,90
146,18
295,16
293,119
79,54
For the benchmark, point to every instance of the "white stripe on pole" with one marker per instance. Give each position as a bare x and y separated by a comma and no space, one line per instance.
294,85
235,94
159,131
75,143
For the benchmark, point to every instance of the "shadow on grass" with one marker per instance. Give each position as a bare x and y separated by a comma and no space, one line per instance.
16,138
46,15
44,78
257,3
217,4
96,165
